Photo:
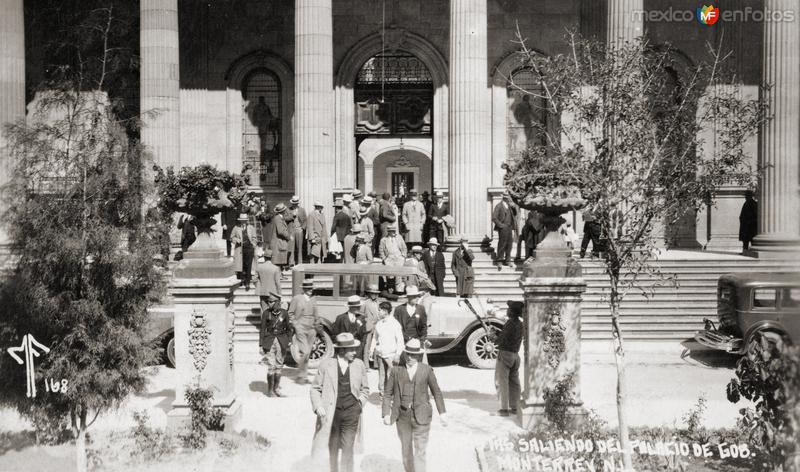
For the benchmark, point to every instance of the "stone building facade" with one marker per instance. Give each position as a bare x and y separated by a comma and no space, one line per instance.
322,96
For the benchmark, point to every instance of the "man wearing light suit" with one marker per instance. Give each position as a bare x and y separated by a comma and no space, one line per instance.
305,321
406,402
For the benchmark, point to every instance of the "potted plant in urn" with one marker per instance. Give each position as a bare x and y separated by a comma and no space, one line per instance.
537,182
201,192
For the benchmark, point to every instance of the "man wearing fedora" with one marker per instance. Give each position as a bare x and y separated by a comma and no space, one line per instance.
392,249
268,280
438,211
412,316
414,219
371,311
355,205
317,234
351,322
406,402
305,322
275,334
296,219
338,395
280,237
349,242
461,265
367,224
341,224
433,259
506,373
504,220
244,241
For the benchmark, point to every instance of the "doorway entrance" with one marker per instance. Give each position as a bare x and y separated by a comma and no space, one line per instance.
394,125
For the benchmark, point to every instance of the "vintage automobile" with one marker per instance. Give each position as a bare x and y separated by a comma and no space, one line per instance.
754,302
160,330
451,320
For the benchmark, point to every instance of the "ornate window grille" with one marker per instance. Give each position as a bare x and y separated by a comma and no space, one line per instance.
261,127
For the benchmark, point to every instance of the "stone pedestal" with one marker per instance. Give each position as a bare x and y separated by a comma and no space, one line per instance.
470,117
202,290
553,285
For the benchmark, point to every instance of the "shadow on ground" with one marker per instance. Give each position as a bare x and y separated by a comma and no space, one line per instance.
166,403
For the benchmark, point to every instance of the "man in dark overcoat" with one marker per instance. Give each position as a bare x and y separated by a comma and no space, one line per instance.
435,266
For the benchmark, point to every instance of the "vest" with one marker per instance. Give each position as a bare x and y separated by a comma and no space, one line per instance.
344,398
407,393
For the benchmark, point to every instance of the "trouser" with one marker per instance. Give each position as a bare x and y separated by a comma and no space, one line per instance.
304,340
591,232
343,437
247,263
274,358
384,365
296,256
506,379
413,441
367,342
228,247
504,237
437,231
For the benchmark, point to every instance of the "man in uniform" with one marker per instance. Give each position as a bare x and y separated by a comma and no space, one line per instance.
305,321
276,332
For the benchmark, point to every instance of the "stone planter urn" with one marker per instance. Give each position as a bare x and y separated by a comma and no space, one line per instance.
552,286
202,290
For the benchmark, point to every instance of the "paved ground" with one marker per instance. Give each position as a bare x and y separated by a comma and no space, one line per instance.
662,386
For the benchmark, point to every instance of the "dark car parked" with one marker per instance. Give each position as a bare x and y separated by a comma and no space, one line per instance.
750,303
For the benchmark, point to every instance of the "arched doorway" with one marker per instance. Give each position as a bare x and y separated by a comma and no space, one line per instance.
394,102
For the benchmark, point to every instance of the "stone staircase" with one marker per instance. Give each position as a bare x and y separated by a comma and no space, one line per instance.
671,313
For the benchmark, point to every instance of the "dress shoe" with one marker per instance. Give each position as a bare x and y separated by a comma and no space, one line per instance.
502,412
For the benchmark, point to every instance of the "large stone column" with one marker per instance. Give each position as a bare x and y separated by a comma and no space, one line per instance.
315,169
779,201
624,21
470,118
12,82
160,80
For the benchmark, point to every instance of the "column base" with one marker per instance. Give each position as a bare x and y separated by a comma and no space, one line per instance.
775,246
180,416
532,416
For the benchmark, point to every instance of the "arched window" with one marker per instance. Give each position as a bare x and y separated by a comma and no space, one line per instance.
526,112
261,127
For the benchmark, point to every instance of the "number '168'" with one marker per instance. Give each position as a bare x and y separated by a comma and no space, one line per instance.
55,386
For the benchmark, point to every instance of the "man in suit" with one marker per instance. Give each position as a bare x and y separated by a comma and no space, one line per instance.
305,322
406,402
412,316
338,396
245,240
268,280
341,222
439,210
275,334
414,219
296,218
317,234
228,222
351,322
503,219
280,237
355,205
371,310
591,232
433,259
386,214
461,265
506,373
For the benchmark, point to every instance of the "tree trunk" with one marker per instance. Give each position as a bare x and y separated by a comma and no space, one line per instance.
622,392
79,428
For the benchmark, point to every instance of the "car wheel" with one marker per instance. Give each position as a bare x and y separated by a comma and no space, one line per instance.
481,351
322,349
169,351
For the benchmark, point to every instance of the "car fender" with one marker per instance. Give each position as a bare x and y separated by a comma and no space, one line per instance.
492,321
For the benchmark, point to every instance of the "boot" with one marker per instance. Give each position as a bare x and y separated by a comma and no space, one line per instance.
270,384
276,385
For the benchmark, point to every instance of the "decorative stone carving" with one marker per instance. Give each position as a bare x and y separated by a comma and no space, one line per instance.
199,340
395,37
231,313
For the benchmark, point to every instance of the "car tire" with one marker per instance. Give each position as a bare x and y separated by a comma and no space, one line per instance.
322,349
481,351
169,351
